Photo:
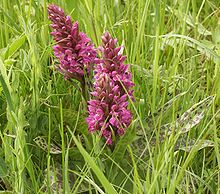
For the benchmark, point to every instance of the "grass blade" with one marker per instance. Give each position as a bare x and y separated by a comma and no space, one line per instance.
106,184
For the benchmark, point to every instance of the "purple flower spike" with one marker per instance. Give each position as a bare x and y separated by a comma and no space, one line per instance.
108,109
74,49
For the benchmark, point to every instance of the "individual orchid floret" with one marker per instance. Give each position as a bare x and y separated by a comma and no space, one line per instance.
108,111
73,49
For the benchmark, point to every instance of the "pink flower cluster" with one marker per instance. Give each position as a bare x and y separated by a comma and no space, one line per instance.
113,82
107,109
74,49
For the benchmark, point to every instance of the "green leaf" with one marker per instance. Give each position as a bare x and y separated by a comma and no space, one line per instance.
189,119
119,151
3,168
42,143
14,46
187,144
169,39
4,80
104,181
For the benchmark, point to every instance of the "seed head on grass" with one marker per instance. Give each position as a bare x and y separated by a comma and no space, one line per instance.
108,111
74,49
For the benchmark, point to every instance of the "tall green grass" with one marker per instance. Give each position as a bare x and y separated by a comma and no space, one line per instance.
172,145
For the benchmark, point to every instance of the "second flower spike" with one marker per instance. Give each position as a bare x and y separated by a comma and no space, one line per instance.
108,111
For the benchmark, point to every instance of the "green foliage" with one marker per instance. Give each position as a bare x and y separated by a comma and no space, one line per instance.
121,146
3,168
172,146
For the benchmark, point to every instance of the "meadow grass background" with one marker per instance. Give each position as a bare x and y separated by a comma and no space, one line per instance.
172,145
